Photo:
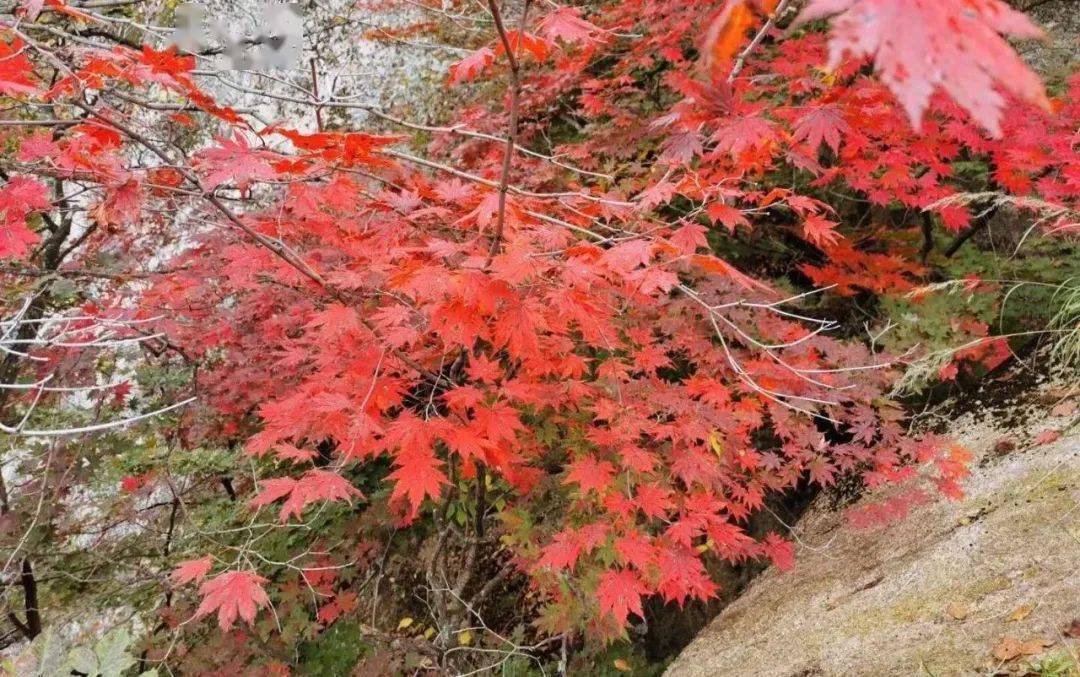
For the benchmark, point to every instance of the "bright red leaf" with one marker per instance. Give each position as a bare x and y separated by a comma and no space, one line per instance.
619,594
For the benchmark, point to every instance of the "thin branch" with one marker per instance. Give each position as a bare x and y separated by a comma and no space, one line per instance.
512,127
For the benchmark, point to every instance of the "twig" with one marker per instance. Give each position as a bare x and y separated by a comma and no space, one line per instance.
740,61
512,128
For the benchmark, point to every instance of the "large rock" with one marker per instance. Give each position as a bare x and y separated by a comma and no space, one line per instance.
934,594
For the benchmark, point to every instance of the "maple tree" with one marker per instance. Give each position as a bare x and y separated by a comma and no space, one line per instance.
553,361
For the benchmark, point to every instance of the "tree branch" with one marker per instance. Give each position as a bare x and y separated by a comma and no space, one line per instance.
512,130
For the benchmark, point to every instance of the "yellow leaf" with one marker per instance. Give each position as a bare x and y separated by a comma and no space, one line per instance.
828,77
958,610
1021,612
716,444
429,633
464,638
621,665
404,623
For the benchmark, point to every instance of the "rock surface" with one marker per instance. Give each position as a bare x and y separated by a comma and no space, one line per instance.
936,593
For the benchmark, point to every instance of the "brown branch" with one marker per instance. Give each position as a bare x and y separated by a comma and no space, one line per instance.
38,123
740,60
30,271
971,231
512,130
492,582
315,93
928,237
32,627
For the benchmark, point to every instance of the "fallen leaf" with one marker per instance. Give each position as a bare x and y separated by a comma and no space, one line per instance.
1047,436
1058,393
1004,446
1034,646
1007,649
404,623
1021,612
958,610
464,638
621,665
1065,409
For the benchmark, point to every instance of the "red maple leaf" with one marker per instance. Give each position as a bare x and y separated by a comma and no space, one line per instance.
635,549
562,552
467,441
653,501
619,594
19,197
727,215
166,62
234,594
590,474
820,124
192,570
683,575
234,160
15,70
288,452
689,237
566,24
819,230
681,148
482,368
417,476
919,46
463,398
657,194
743,134
526,44
713,264
315,485
780,551
471,66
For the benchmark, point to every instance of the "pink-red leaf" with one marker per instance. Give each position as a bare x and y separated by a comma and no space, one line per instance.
566,24
192,570
19,197
919,46
315,485
471,66
234,594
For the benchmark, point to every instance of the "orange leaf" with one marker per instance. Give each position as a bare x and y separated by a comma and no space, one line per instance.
767,7
1007,649
714,265
727,32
